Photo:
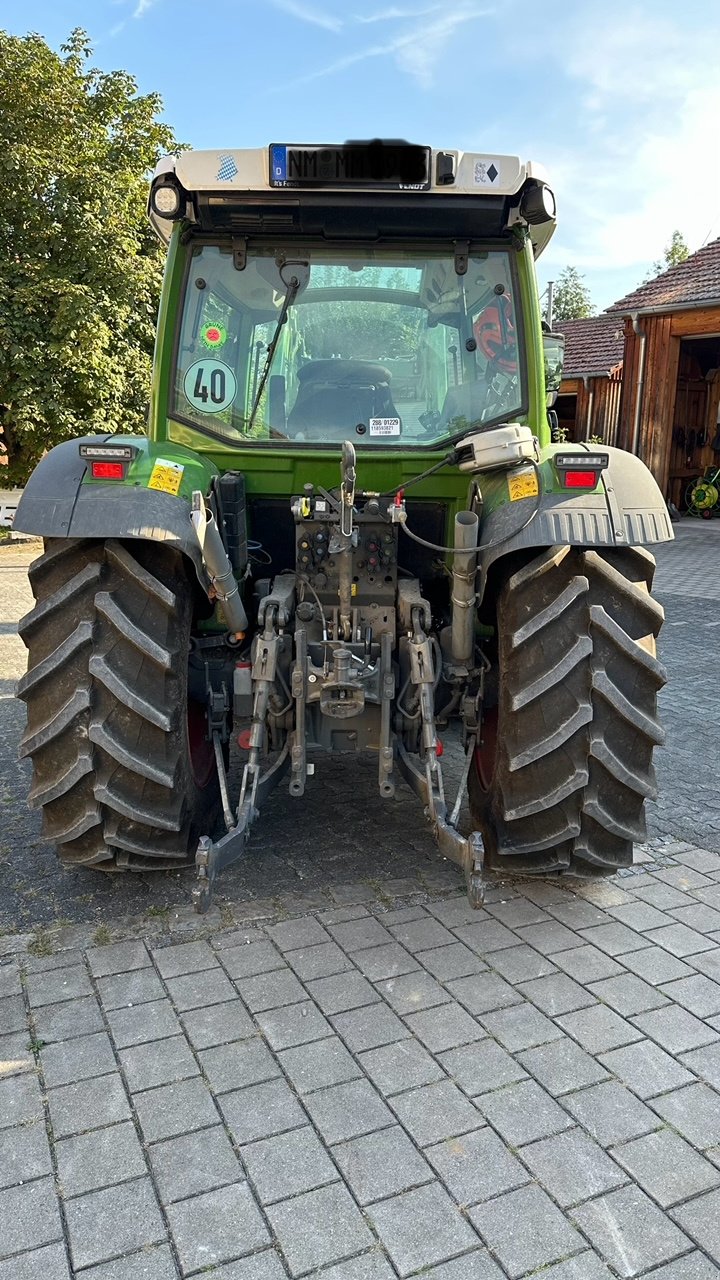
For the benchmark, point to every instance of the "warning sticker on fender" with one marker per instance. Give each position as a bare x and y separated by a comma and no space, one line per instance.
166,476
524,485
384,426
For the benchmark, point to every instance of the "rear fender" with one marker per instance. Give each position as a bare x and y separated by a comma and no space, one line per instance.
58,501
626,510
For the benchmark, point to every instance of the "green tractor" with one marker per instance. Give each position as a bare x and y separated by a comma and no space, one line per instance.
346,527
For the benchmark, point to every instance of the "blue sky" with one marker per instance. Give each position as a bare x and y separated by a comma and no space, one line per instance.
620,101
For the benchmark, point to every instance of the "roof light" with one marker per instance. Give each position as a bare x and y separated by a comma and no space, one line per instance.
538,204
165,199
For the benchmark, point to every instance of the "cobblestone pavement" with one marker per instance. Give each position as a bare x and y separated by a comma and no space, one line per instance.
343,1072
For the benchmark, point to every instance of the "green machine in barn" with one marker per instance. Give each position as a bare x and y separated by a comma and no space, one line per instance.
347,524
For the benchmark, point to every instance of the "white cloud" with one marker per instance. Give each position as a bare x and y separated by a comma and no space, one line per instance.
392,14
307,13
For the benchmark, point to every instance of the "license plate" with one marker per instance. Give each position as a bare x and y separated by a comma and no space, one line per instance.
375,164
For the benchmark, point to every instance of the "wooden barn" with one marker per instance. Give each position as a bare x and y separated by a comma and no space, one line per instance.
588,403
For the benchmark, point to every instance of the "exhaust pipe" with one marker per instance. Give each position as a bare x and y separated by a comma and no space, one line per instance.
462,642
215,559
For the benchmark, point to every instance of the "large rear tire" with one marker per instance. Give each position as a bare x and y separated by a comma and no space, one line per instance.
121,767
560,779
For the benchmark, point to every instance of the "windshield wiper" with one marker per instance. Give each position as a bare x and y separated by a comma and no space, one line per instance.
293,287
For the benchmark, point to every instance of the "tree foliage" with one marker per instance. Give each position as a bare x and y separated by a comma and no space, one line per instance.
80,267
675,252
572,299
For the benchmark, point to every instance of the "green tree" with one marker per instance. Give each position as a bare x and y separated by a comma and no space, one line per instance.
675,252
572,297
80,267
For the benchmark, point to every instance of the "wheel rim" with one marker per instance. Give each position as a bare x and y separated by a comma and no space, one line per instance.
201,752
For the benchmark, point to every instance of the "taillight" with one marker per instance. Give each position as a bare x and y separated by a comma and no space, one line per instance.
580,479
107,470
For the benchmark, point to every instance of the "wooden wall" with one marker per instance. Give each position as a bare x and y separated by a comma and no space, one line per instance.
596,406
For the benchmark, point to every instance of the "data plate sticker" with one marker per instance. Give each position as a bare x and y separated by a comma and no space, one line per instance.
384,426
210,386
524,485
166,476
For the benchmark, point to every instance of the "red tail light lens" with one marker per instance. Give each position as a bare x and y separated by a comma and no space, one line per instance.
580,479
108,470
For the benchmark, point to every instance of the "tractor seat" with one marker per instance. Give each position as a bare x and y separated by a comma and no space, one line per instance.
336,395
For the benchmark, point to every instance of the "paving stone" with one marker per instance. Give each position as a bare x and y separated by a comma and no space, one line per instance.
666,1167
701,1220
348,1111
184,958
694,1266
214,1227
99,1159
77,1059
476,1166
657,966
233,1066
413,991
63,959
478,1068
705,1063
445,1027
63,1021
259,1266
518,912
354,935
640,916
396,1067
49,1262
629,1231
647,1069
680,940
12,1014
682,877
218,1024
318,1227
369,1028
572,1167
98,1231
117,957
584,1266
523,1113
698,916
659,895
587,964
700,860
708,962
457,961
88,1104
303,932
293,1025
401,915
675,1029
381,1164
562,1065
64,984
557,994
694,1111
16,1054
242,937
192,1163
435,1112
24,1154
288,1164
318,1065
455,911
30,1216
343,992
364,1266
477,1265
525,1230
174,1109
153,1262
610,1113
9,979
628,994
698,994
549,936
389,961
255,958
577,914
614,939
159,1062
122,990
599,1029
197,990
483,992
421,1227
271,990
318,962
261,1110
520,964
147,1022
20,1100
486,935
520,1027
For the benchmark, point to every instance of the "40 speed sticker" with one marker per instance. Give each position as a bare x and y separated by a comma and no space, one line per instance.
210,385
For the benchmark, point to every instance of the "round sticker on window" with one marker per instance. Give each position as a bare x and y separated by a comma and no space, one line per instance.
213,336
210,386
